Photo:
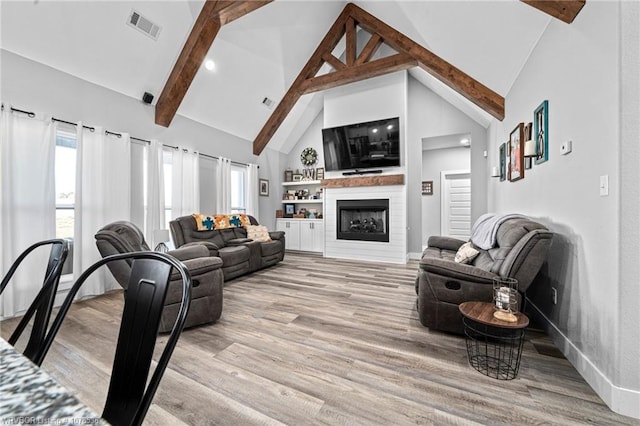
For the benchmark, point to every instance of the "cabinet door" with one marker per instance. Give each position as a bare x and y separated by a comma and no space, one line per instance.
291,233
312,236
318,236
306,236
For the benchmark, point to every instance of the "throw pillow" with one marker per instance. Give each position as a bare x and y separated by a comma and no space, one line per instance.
204,222
466,253
258,233
224,221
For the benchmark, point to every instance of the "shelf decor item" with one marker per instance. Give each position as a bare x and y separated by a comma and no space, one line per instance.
309,157
505,298
288,175
320,173
427,187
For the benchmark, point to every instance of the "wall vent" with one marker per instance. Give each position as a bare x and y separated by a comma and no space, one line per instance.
142,24
268,102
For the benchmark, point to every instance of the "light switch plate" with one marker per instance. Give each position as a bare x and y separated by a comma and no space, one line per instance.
566,147
604,185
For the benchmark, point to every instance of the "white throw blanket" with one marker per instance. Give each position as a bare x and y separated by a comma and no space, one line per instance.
485,231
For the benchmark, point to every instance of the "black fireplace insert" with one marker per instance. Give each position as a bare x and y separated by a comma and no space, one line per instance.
364,220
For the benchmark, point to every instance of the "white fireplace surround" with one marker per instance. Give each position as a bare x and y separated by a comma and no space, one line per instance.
395,251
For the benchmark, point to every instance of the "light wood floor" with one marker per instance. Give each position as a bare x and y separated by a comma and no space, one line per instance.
324,341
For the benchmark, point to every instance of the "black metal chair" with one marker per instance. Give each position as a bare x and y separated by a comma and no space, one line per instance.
128,399
43,303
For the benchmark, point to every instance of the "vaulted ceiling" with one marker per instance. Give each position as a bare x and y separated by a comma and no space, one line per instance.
260,55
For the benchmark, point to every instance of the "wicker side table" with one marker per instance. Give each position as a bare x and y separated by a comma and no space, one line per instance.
494,347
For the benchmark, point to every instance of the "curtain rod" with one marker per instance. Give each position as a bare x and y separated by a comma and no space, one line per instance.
32,114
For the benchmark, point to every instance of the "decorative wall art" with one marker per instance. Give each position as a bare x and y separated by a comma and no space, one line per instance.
516,153
263,185
541,131
427,187
503,162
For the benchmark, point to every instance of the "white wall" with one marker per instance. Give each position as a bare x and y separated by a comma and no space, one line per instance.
577,68
33,86
435,161
429,116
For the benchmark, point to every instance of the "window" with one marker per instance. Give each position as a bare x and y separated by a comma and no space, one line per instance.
65,183
238,192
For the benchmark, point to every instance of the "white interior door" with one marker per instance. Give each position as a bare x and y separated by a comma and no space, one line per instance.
455,219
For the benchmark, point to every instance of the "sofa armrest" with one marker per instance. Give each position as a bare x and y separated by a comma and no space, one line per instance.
211,247
454,270
189,252
238,241
445,243
276,235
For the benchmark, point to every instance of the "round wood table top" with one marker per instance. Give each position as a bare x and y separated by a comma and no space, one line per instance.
482,312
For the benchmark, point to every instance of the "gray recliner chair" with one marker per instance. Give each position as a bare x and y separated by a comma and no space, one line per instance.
206,274
442,284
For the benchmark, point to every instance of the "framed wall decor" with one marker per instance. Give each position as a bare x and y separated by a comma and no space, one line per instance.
503,162
516,153
288,175
263,185
289,210
427,187
319,173
297,177
541,131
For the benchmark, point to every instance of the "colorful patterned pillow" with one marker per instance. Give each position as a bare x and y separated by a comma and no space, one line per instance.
204,222
224,221
258,233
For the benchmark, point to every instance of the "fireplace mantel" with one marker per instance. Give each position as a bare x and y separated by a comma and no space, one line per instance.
380,180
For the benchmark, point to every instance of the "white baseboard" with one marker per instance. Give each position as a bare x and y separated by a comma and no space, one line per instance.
414,255
620,400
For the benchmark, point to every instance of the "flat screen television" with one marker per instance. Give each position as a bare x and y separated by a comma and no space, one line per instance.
362,146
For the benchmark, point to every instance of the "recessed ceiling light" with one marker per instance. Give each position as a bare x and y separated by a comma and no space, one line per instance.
210,65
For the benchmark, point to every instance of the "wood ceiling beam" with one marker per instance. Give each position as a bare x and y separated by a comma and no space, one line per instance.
213,15
453,77
310,69
564,10
336,63
389,64
360,68
369,49
350,50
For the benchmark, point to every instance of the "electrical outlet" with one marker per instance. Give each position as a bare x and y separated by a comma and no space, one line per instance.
554,295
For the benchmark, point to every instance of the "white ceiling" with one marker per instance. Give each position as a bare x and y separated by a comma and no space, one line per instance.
261,54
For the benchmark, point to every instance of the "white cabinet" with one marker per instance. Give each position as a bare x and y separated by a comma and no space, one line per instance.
312,235
302,234
291,230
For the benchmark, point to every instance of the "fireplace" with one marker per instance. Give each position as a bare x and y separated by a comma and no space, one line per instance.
363,220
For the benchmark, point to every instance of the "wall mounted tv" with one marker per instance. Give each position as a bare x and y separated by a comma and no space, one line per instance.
363,145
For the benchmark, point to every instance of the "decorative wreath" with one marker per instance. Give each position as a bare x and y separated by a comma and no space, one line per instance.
309,156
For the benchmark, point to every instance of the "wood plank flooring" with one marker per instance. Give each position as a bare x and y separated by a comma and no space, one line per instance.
317,341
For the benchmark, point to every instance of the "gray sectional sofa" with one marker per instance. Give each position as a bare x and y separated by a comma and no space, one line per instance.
239,254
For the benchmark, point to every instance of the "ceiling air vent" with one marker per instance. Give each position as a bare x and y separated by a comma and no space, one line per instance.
268,102
142,24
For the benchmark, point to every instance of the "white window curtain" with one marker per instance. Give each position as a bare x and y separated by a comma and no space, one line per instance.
27,215
154,219
185,192
223,188
103,181
252,190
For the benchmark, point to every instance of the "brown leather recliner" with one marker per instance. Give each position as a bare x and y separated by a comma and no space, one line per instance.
206,273
442,284
239,254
